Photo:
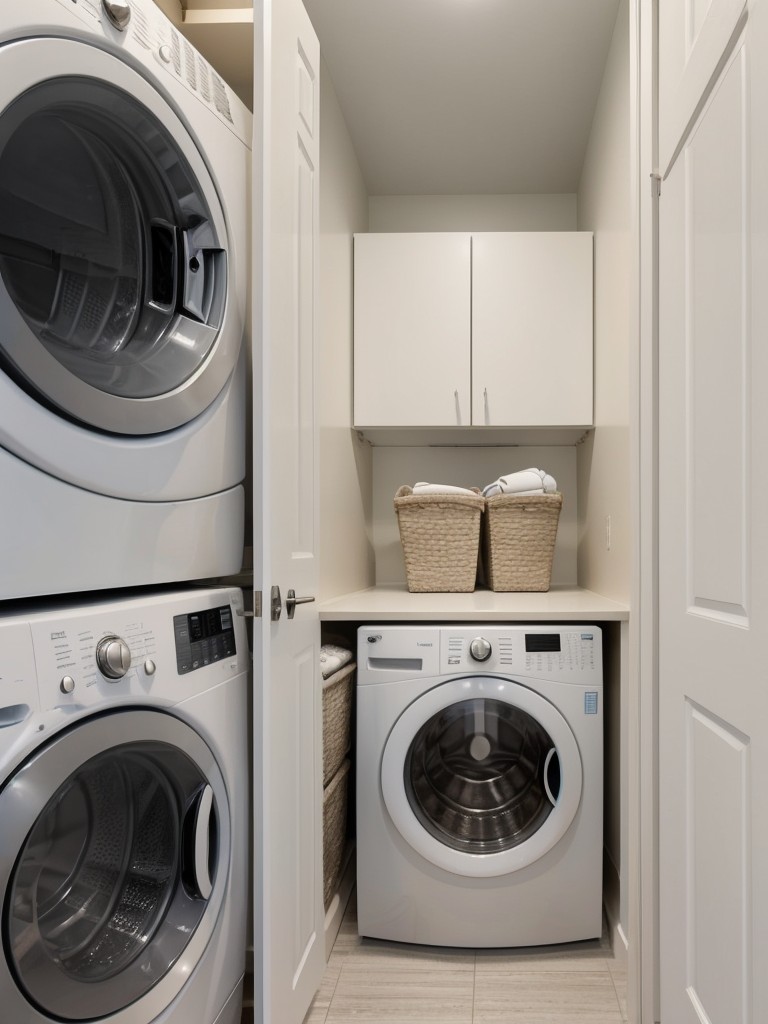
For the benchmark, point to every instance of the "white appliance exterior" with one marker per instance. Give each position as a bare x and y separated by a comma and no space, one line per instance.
106,490
55,698
412,885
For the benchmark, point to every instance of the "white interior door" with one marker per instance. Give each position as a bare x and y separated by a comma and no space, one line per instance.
713,556
693,36
287,736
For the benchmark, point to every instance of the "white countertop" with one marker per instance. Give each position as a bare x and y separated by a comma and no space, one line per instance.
393,603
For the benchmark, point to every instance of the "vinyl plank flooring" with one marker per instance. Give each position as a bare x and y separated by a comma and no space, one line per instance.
540,998
573,956
396,996
619,977
368,980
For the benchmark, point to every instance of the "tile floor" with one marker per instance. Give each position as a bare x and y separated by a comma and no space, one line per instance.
389,983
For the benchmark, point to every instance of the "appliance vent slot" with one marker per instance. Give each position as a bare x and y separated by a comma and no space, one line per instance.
220,98
141,28
176,52
204,79
190,65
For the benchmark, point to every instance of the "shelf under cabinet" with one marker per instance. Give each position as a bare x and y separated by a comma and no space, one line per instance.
395,603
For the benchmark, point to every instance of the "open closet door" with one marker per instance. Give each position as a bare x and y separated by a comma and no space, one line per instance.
713,547
289,934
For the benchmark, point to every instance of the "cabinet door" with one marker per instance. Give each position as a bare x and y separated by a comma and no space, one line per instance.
532,329
412,323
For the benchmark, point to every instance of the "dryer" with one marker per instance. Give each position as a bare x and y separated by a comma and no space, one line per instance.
479,784
124,803
124,178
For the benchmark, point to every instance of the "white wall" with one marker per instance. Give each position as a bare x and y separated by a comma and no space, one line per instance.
604,207
172,10
473,213
346,550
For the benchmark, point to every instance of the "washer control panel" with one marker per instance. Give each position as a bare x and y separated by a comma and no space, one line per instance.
568,654
166,647
203,637
560,653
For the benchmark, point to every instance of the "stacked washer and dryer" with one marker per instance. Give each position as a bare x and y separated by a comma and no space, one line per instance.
124,177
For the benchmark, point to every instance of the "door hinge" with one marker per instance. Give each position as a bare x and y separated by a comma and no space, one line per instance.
655,185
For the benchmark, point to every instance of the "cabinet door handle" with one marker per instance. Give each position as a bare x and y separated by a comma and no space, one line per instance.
458,406
485,402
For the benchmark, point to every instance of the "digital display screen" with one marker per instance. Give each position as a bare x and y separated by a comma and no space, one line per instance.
542,642
203,638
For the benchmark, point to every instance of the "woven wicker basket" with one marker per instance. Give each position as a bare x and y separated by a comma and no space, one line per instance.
440,534
519,540
334,830
337,715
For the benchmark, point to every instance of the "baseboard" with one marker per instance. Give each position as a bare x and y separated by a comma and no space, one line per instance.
335,913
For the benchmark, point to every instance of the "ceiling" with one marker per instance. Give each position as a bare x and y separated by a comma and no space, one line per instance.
450,97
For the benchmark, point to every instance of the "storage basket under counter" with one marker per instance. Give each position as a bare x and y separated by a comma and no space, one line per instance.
440,535
338,692
519,533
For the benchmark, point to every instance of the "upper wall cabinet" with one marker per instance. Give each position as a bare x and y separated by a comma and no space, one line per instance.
412,327
485,330
532,333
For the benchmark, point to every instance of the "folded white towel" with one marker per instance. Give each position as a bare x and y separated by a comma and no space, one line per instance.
425,488
332,658
525,482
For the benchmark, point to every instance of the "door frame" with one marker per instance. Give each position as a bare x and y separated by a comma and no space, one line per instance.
642,713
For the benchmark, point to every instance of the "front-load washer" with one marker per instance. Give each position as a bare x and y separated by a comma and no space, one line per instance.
124,809
124,182
479,784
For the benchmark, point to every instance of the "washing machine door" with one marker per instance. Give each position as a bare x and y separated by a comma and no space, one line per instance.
481,776
114,851
114,251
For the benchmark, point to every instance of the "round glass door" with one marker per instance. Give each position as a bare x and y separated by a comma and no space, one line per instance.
481,776
113,879
113,251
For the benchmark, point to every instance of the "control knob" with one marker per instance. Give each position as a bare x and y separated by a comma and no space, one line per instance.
113,656
118,12
480,649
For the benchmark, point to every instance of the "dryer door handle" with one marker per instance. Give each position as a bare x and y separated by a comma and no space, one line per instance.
552,753
202,813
